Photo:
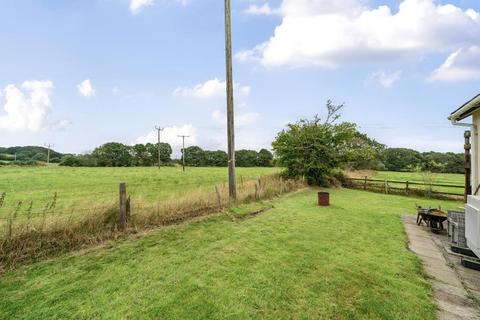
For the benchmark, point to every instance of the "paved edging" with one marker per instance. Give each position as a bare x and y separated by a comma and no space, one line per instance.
449,293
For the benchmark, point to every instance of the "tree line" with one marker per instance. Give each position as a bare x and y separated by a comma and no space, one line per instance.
403,159
28,155
197,157
115,154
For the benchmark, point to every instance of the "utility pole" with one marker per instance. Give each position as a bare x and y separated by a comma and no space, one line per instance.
49,146
232,189
159,129
183,150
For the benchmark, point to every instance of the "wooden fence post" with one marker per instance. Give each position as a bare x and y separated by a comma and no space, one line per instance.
386,187
407,188
257,190
122,219
219,198
365,183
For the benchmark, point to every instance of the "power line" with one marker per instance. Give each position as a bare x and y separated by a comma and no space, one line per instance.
183,150
159,129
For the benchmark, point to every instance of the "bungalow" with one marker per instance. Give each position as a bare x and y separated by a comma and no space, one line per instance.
472,207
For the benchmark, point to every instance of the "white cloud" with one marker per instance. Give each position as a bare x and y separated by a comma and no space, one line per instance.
329,33
462,65
170,135
211,89
241,119
136,6
384,78
264,10
86,89
27,109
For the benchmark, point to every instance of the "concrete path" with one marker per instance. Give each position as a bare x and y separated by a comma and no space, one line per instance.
449,293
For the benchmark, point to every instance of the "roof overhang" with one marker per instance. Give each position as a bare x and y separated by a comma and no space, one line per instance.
466,110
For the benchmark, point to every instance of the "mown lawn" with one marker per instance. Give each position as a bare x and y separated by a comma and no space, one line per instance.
295,261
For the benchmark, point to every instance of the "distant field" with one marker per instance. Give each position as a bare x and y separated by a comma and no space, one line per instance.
79,187
436,178
419,177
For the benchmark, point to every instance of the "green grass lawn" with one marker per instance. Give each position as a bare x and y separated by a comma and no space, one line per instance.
295,261
81,187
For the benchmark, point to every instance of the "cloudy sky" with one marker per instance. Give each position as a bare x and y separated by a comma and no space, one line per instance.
79,73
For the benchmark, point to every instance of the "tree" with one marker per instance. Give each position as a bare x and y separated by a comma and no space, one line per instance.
264,158
195,157
246,158
165,153
40,157
402,159
141,157
443,162
113,154
215,158
356,150
312,148
70,161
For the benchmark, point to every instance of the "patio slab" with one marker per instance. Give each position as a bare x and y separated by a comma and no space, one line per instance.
452,284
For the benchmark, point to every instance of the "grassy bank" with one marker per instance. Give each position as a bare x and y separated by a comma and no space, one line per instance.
296,260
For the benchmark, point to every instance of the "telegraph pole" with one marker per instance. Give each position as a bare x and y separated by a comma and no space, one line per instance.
159,129
183,150
230,112
49,146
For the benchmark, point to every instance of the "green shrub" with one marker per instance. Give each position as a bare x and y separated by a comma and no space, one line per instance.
312,148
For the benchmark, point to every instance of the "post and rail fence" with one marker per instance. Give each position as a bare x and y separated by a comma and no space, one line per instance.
408,188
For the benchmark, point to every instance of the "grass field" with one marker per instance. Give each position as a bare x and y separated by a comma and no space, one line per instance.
80,187
418,177
296,261
436,178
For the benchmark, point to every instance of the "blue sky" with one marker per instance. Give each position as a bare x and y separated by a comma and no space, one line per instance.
79,73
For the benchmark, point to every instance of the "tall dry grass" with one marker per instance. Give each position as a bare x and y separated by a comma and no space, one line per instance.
35,234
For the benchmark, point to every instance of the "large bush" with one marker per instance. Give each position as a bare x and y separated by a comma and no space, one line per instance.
313,148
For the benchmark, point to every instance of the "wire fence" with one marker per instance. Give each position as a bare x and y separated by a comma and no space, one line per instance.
37,228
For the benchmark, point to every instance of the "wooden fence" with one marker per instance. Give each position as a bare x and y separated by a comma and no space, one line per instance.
407,187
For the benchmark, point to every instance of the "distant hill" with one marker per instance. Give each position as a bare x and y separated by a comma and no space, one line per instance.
28,153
